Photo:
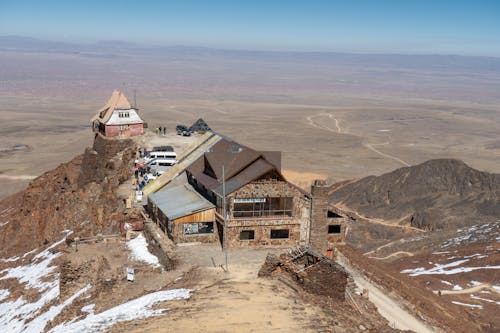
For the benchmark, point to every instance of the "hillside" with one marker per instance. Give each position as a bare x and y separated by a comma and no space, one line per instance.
435,195
78,195
439,224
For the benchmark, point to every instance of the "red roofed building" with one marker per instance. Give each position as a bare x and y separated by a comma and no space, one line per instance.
117,118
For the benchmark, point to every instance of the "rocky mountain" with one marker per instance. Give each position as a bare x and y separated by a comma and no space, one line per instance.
435,195
79,195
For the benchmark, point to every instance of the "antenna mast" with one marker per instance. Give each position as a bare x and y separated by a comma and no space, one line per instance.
224,213
135,99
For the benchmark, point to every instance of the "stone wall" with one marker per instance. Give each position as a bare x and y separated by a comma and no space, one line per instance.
319,212
311,271
262,226
336,238
161,245
262,233
179,237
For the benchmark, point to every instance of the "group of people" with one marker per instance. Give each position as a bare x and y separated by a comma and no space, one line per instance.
141,170
161,130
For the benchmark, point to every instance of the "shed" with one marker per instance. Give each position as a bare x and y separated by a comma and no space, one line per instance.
184,214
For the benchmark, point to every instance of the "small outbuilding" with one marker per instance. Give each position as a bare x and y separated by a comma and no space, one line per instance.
117,118
199,126
183,213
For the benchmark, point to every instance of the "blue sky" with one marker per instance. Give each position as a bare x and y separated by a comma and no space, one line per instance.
422,26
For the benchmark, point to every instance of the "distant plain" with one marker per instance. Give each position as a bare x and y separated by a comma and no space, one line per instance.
333,116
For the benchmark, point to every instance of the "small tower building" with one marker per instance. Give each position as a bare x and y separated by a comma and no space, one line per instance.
117,118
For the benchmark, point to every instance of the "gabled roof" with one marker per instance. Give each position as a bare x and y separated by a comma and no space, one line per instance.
199,126
255,170
242,165
117,101
232,155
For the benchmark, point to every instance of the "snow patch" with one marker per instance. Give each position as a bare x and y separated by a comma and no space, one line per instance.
34,275
11,259
138,308
473,234
38,324
446,282
474,283
89,308
484,299
468,305
441,269
139,251
4,223
20,315
4,293
441,252
457,287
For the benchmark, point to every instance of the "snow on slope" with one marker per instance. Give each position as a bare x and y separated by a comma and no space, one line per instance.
138,308
22,315
442,269
139,251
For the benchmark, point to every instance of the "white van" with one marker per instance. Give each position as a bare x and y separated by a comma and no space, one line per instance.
161,164
168,155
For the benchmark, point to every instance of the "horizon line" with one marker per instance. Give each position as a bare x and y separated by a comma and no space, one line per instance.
244,49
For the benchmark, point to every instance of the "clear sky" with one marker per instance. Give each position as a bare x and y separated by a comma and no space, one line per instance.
390,26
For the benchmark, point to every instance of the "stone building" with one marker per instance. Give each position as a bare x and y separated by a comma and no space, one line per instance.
262,207
117,118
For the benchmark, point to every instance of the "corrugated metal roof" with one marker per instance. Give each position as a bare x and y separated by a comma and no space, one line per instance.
178,201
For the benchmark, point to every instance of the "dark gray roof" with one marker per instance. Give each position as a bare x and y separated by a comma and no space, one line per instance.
199,126
179,200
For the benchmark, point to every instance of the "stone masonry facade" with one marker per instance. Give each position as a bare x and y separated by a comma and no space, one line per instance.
262,226
319,212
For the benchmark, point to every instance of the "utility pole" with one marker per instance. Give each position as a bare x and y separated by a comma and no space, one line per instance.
224,214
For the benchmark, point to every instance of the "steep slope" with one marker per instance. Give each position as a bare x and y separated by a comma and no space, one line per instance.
438,194
78,195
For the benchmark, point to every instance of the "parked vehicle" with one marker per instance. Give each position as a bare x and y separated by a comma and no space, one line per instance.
183,130
155,154
163,148
161,164
152,175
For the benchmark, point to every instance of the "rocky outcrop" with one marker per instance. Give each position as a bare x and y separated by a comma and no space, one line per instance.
437,194
78,195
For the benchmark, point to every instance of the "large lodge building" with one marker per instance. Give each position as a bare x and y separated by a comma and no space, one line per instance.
262,207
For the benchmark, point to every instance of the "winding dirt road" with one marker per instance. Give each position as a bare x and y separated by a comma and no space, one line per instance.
397,316
339,130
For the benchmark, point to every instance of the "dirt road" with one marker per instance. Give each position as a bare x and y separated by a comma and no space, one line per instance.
236,301
397,316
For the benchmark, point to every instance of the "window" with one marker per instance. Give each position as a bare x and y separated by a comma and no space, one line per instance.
247,235
334,229
257,207
280,233
123,114
333,215
198,228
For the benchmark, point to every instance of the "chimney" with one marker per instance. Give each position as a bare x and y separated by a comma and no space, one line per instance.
319,212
